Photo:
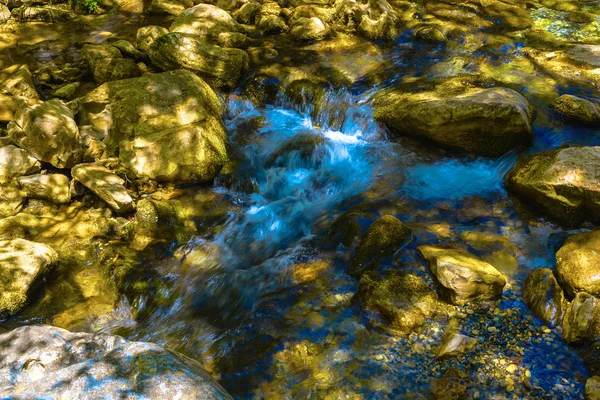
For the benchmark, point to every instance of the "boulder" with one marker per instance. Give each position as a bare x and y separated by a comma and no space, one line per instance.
52,187
43,13
486,122
403,300
66,92
544,296
233,39
576,109
578,263
44,361
22,264
454,344
11,201
115,69
48,132
581,321
383,238
205,20
128,49
18,81
221,67
309,29
146,35
94,54
271,24
168,7
15,162
106,184
592,388
465,277
563,183
247,13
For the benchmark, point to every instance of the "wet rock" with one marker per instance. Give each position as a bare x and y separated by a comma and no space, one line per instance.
18,81
15,162
106,184
67,91
465,277
486,122
592,388
54,75
233,39
309,29
581,320
383,26
562,183
236,176
544,296
28,13
344,230
576,109
221,67
155,219
262,89
190,153
11,201
128,49
383,238
168,7
578,263
454,344
453,386
403,300
48,132
147,35
94,149
271,24
247,13
51,187
53,362
205,20
94,54
585,54
307,93
114,69
4,13
22,264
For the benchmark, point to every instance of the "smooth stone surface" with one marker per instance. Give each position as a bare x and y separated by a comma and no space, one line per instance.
52,187
544,296
44,361
576,109
466,277
578,263
106,184
15,162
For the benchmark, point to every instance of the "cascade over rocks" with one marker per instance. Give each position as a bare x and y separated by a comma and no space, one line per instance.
53,362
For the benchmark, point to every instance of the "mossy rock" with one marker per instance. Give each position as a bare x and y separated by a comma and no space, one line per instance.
307,94
544,296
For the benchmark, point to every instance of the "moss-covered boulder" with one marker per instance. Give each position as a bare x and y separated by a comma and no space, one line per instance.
578,263
51,187
464,276
22,264
247,13
576,109
563,183
486,122
115,69
106,184
383,238
403,300
15,162
48,132
205,20
146,35
544,296
581,321
221,67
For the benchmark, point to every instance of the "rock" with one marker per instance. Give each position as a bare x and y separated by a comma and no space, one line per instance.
67,91
262,90
563,183
452,386
465,277
383,238
385,26
205,20
307,93
48,132
190,153
486,122
247,13
403,300
155,219
22,263
4,13
43,13
454,344
18,81
544,296
53,187
15,162
576,109
221,67
95,54
585,54
309,29
11,201
592,388
44,361
168,7
271,24
233,39
115,69
128,49
106,184
147,35
581,320
578,263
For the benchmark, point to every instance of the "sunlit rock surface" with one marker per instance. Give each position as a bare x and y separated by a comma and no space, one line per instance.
51,187
106,184
544,296
52,362
22,263
563,183
487,122
577,109
578,263
205,20
15,162
581,320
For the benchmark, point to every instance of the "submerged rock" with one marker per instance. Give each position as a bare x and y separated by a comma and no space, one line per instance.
106,184
486,122
544,296
581,320
52,187
15,162
576,109
221,67
22,263
383,238
52,362
466,277
403,300
48,132
454,344
452,386
563,183
578,263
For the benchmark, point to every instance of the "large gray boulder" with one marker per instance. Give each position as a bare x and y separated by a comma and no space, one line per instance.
486,122
48,362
